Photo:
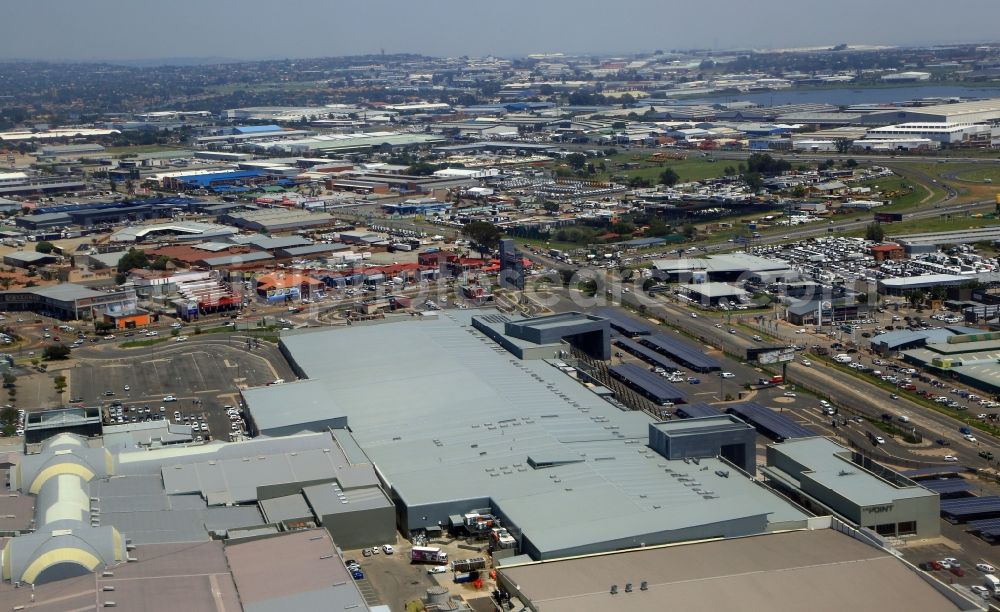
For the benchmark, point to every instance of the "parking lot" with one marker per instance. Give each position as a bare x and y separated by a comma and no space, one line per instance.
201,377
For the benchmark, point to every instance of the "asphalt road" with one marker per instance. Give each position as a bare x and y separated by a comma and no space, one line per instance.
851,394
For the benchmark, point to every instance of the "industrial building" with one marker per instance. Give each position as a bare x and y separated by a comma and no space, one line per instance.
829,478
68,301
940,133
94,500
177,231
929,242
979,111
463,425
723,268
970,358
827,568
276,219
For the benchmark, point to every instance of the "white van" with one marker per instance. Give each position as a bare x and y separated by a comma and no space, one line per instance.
991,582
842,358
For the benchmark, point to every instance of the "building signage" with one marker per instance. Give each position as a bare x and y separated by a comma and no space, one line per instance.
879,509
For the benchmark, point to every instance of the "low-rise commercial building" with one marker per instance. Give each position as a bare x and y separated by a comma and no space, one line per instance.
827,477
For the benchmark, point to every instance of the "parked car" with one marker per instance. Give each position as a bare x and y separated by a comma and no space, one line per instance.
438,569
387,549
985,568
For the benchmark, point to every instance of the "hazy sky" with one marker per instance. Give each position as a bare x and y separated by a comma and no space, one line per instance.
144,29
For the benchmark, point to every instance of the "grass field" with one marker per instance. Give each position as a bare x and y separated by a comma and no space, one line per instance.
979,174
944,223
694,168
964,177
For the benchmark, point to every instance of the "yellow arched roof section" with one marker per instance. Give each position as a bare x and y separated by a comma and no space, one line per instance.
6,562
57,470
60,555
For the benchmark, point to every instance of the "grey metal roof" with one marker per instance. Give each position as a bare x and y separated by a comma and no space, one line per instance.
29,257
66,292
458,417
242,258
268,243
237,480
285,508
829,465
331,498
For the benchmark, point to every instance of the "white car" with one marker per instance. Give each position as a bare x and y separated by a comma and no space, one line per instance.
879,440
980,590
387,549
728,375
807,363
176,325
970,437
180,338
950,458
789,394
985,567
170,398
438,569
694,315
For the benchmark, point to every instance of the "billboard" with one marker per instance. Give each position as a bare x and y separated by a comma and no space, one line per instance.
778,356
888,217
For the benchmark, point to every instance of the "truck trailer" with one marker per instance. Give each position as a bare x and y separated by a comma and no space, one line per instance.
428,554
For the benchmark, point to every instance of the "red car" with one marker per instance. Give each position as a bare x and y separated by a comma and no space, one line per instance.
957,571
936,565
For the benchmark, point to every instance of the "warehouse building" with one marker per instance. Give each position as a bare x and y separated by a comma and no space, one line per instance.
68,301
940,133
827,568
276,219
826,477
28,259
930,242
176,230
970,358
464,425
722,268
979,111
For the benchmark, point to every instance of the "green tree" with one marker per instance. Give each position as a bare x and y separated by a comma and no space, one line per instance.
874,232
753,181
851,163
8,416
9,380
45,247
576,160
843,145
131,260
689,231
103,327
552,207
55,351
484,234
669,177
160,263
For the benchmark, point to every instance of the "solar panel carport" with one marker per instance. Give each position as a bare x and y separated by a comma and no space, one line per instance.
697,411
646,354
623,323
987,528
682,352
969,508
947,486
649,384
770,423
